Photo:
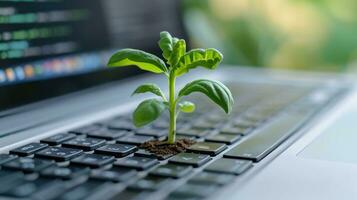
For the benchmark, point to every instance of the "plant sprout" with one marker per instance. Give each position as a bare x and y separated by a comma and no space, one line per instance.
178,63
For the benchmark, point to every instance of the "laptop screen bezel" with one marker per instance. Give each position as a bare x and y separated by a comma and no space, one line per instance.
17,96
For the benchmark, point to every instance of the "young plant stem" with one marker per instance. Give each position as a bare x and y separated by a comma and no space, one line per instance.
172,109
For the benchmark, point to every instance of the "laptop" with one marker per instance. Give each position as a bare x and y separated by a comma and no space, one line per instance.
65,119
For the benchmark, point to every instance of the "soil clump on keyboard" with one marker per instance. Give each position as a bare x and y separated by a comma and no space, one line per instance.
162,148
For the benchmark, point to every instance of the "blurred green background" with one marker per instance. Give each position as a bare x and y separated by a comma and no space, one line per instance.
296,34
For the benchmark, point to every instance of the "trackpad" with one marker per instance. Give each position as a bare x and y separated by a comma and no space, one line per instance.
336,143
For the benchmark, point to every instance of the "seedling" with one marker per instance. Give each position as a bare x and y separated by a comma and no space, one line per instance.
178,63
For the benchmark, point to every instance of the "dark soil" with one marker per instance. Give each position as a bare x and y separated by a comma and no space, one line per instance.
162,148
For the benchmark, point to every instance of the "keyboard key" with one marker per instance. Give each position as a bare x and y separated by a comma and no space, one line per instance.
193,191
208,178
171,171
59,153
107,134
48,189
129,194
93,160
114,174
244,123
209,148
85,190
28,149
39,185
86,129
268,138
193,132
205,124
134,139
6,158
10,179
151,132
87,144
223,138
150,183
136,162
193,159
145,153
234,130
58,139
69,172
27,164
117,150
229,166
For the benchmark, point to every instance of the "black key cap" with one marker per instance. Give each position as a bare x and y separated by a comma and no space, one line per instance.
205,124
69,172
193,191
114,174
59,153
229,166
27,164
85,190
224,138
129,194
134,139
86,144
107,134
171,171
28,149
86,129
145,153
150,183
10,179
193,159
193,132
58,139
211,178
93,160
268,138
136,162
151,132
209,148
117,150
244,123
28,188
236,130
6,158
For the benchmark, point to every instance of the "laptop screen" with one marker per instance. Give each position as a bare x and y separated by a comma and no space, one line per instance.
68,42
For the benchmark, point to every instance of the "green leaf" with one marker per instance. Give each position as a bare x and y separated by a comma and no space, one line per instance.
208,58
214,90
178,51
148,111
187,107
172,48
142,59
166,44
153,88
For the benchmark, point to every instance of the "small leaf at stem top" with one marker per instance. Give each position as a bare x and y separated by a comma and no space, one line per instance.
148,111
179,49
187,107
141,59
207,58
214,90
166,44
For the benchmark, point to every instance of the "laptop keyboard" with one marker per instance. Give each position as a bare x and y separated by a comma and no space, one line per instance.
103,160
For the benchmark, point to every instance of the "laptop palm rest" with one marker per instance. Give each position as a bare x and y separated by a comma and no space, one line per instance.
337,142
